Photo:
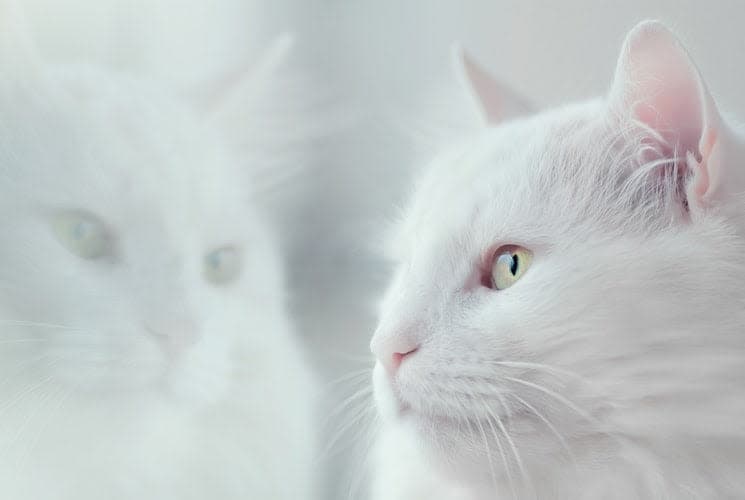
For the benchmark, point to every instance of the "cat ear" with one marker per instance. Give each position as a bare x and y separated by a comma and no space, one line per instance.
658,85
262,113
16,48
247,83
496,102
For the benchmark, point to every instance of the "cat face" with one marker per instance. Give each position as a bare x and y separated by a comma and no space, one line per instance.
132,260
549,287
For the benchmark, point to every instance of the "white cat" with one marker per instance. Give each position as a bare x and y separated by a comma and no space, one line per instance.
567,316
145,351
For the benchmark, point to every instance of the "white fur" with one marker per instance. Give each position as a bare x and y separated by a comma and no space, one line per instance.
91,406
616,365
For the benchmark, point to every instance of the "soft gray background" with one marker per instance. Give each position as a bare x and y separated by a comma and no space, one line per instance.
382,72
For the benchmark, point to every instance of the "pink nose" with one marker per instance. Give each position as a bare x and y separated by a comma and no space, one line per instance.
392,350
398,358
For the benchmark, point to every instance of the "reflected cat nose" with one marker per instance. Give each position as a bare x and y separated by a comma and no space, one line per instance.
392,351
174,335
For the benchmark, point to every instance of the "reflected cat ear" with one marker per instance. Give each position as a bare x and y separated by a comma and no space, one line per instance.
262,112
16,47
658,85
236,90
496,102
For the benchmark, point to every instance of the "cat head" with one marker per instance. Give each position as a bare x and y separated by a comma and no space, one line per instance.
560,275
133,259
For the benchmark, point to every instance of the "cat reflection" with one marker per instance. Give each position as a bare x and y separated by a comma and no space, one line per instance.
145,351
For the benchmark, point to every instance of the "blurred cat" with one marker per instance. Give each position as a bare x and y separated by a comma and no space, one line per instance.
145,351
567,314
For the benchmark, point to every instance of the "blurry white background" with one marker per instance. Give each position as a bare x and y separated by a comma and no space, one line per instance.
379,64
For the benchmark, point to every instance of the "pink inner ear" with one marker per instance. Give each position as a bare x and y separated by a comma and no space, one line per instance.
657,84
701,165
663,88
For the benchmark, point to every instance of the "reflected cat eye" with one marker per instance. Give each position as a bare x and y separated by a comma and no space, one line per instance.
222,266
82,234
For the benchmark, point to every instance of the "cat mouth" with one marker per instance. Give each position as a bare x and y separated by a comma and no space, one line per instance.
453,416
404,409
400,403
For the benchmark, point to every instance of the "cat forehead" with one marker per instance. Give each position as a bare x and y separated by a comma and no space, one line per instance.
95,139
118,149
508,184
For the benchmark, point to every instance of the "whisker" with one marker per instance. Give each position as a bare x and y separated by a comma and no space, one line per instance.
551,427
27,392
507,468
523,472
355,375
21,366
345,404
52,411
18,432
36,324
488,454
22,341
557,397
363,465
358,416
540,367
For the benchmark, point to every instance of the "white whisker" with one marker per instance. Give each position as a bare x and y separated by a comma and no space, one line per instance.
488,455
358,416
550,426
540,367
518,459
557,397
507,468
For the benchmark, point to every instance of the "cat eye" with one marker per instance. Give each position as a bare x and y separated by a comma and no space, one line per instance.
222,266
509,265
82,234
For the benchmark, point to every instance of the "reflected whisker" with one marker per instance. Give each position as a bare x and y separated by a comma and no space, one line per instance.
35,324
27,392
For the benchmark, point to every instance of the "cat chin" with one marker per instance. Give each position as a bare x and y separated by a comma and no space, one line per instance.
441,438
455,455
388,406
191,389
457,451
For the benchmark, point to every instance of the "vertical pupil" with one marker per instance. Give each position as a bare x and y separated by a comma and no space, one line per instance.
215,260
79,231
514,264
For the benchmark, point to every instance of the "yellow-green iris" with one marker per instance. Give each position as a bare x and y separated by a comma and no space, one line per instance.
510,263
